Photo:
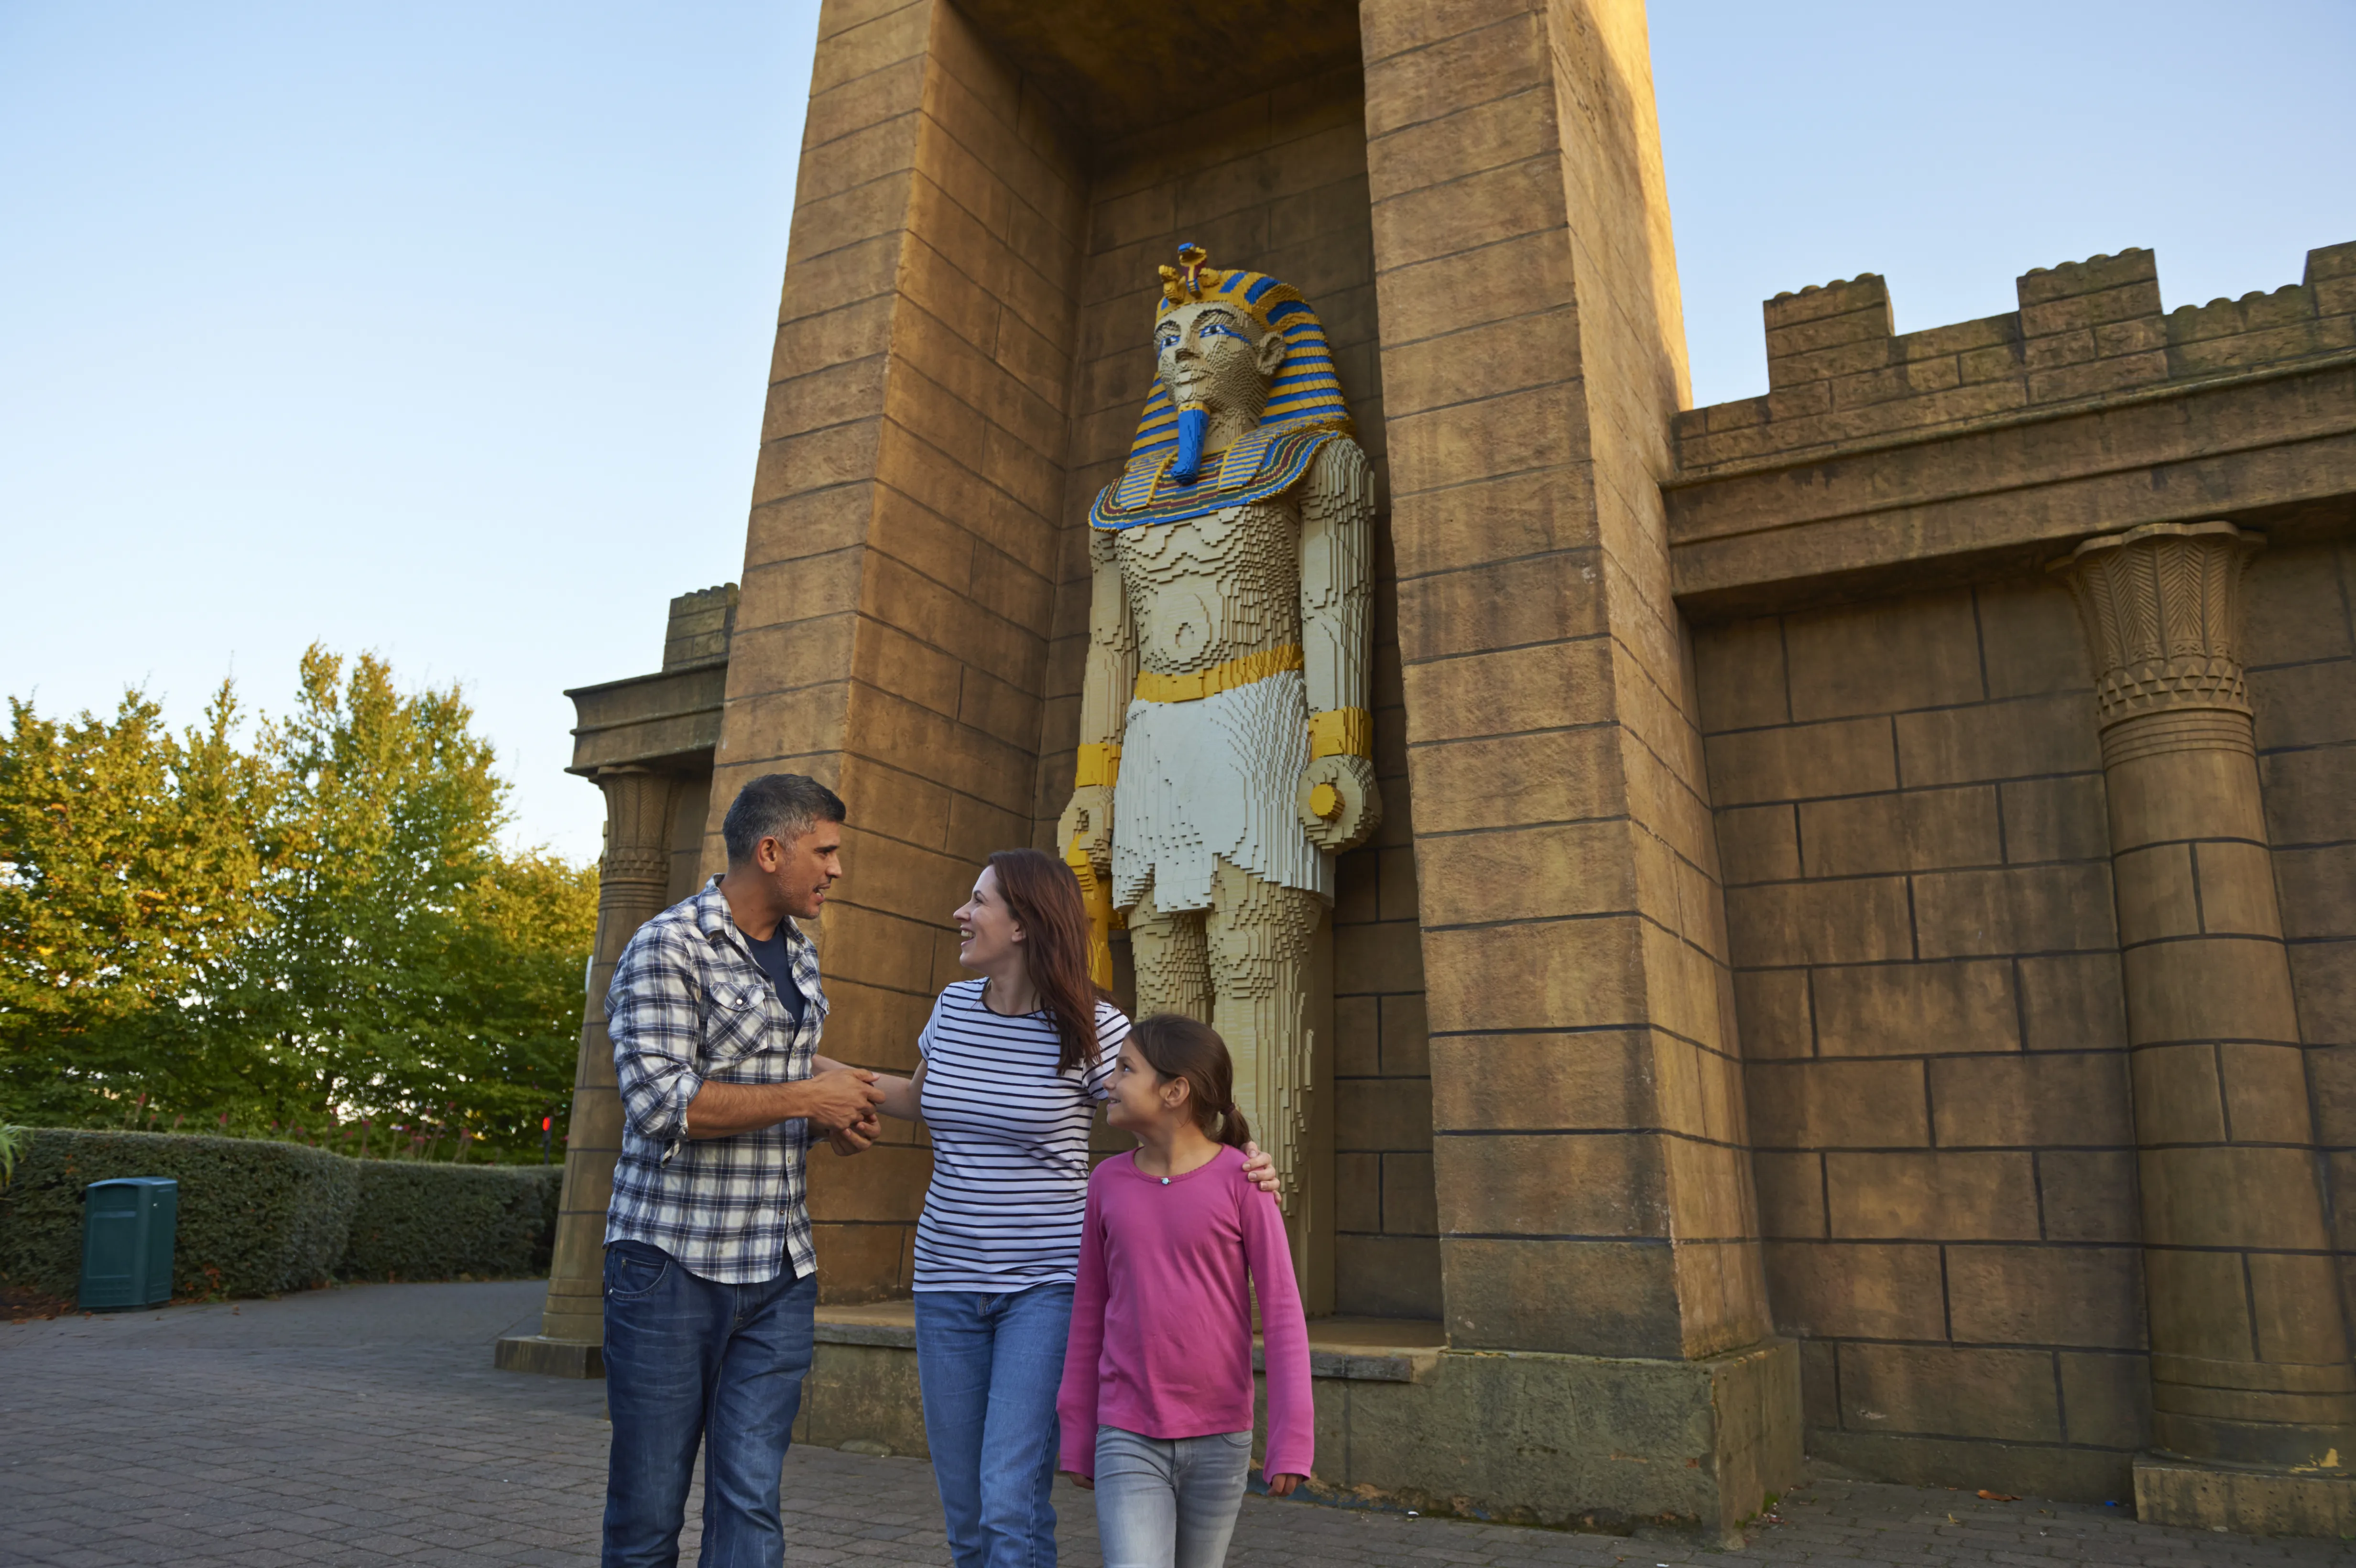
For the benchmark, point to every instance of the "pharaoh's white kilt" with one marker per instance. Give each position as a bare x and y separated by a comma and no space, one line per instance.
1211,779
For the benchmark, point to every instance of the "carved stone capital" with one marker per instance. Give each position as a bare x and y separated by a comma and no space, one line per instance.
636,868
2161,608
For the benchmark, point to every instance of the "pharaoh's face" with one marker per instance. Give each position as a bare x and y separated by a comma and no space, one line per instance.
1214,355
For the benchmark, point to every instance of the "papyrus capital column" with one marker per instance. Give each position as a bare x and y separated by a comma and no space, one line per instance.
633,882
2161,606
2250,1357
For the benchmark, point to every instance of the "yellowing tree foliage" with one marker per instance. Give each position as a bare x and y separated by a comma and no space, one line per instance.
313,931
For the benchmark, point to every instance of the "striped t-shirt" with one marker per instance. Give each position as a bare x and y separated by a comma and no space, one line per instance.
1010,1145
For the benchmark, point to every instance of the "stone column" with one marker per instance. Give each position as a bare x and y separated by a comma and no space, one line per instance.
2250,1356
632,882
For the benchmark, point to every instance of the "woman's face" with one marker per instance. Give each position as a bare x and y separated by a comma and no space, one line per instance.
1141,1098
988,936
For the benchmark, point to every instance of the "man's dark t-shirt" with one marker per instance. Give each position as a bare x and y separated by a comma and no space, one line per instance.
778,962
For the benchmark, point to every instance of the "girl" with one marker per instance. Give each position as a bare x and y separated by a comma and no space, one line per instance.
1156,1406
1013,1065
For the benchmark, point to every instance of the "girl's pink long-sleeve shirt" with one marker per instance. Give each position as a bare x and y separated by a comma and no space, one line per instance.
1161,1336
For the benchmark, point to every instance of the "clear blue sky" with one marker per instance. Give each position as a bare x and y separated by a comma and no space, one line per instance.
401,326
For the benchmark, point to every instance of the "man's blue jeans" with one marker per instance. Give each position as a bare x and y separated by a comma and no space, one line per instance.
990,1367
689,1359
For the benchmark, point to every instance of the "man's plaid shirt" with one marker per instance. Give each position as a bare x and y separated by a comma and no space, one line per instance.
688,1003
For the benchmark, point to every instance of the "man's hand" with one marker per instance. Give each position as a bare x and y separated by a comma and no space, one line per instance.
842,1100
832,1102
1089,818
1259,1169
1346,785
1281,1486
1085,1483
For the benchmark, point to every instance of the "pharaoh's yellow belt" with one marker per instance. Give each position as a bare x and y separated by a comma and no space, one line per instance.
1197,684
1334,732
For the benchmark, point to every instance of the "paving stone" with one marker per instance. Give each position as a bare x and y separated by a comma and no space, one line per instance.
358,1427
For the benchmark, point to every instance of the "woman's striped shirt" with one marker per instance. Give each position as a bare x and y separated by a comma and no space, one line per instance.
1010,1145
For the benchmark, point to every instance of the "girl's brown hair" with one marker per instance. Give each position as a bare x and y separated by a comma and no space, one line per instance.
1176,1045
1044,897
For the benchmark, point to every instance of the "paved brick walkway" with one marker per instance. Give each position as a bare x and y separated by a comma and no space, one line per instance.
365,1426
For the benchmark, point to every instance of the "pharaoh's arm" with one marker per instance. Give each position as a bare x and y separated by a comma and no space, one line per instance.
1105,685
1338,800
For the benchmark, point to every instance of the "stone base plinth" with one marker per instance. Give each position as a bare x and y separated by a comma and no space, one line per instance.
1509,1436
1578,1440
2248,1503
551,1358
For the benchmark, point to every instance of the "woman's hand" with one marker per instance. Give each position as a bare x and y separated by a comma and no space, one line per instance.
1085,1483
1281,1486
1259,1169
898,1097
855,1139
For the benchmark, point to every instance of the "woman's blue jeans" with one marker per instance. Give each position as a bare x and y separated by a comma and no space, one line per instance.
990,1367
690,1359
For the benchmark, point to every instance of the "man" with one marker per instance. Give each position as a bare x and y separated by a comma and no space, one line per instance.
716,1010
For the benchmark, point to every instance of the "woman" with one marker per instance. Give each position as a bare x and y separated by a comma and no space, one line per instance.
1013,1065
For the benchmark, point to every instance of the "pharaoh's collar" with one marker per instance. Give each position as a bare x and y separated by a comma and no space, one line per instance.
1264,464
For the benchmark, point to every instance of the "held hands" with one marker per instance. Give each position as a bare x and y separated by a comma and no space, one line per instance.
1085,1483
1346,786
854,1140
844,1101
1089,819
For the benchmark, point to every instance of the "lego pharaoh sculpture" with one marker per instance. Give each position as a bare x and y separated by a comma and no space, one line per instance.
1226,743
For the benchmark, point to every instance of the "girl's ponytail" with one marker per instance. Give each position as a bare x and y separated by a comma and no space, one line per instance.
1234,1131
1176,1045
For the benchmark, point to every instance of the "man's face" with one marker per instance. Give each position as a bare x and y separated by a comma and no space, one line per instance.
1213,355
803,869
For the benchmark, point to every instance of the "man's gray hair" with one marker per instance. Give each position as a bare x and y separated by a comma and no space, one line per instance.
782,807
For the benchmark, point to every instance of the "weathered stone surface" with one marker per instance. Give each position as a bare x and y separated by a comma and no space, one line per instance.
1975,950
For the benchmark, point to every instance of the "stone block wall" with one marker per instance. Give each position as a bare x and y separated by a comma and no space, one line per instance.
906,529
2302,675
1592,1173
1909,810
1838,375
962,352
1277,183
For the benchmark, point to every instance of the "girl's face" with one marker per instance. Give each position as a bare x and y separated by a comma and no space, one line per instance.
987,931
1142,1098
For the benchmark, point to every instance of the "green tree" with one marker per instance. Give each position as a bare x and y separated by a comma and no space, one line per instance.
130,860
320,929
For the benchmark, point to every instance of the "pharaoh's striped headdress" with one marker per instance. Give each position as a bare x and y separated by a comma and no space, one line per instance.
1303,394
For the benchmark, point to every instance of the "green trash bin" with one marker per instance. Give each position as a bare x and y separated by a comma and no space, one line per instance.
126,1243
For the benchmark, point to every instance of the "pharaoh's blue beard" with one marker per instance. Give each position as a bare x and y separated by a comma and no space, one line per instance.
1193,425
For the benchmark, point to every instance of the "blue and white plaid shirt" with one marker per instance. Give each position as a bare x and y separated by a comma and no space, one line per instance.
687,1004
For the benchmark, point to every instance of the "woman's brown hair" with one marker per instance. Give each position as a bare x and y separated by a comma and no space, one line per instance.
1044,897
1176,1045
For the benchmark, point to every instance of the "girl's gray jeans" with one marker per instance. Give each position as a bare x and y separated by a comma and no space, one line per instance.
1169,1502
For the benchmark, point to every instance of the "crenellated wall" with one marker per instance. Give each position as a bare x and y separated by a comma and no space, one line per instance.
1837,375
1973,1072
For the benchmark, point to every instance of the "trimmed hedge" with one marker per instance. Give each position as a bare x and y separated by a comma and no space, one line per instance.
255,1216
434,1222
